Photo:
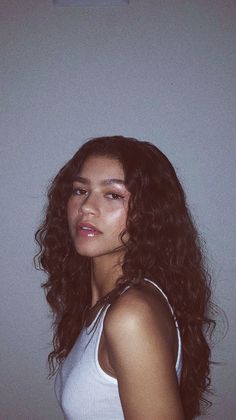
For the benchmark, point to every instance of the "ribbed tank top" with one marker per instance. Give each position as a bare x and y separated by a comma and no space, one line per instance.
83,389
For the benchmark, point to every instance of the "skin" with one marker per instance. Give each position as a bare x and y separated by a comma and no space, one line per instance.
139,322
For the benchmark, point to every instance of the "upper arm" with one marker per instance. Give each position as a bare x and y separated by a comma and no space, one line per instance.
138,339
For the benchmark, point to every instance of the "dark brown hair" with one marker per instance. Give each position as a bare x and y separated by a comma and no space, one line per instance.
163,246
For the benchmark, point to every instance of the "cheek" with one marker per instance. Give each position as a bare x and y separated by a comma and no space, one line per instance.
117,219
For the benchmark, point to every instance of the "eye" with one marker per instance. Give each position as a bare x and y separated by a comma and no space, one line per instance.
114,196
78,191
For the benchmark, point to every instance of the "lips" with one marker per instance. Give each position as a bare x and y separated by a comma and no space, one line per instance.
87,230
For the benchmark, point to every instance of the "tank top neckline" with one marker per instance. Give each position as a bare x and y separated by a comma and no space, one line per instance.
87,327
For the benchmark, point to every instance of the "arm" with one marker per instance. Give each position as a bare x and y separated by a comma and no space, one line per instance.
139,340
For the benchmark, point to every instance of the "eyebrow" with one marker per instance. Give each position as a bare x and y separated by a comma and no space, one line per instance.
109,181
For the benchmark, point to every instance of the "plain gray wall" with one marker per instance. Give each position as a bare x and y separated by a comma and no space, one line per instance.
160,70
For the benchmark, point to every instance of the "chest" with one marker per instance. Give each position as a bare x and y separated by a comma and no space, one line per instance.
85,378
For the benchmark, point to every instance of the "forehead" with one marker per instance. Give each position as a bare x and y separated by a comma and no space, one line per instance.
101,167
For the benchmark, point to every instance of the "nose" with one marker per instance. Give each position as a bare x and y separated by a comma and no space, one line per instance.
90,204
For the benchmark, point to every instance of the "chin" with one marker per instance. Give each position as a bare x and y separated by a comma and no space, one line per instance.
86,252
91,253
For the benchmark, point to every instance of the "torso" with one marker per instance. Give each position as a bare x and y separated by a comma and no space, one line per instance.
86,375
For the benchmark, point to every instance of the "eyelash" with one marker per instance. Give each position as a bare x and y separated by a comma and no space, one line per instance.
83,192
118,196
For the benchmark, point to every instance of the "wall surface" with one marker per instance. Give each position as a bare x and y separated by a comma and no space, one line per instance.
159,70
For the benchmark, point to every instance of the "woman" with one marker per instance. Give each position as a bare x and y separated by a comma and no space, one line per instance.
127,287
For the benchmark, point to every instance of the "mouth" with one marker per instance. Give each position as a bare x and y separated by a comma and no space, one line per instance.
87,230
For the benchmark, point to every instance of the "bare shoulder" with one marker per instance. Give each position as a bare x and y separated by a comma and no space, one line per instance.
141,308
141,339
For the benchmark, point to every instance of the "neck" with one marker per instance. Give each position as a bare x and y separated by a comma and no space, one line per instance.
104,273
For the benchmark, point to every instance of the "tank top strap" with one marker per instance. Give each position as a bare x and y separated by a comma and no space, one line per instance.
162,293
178,364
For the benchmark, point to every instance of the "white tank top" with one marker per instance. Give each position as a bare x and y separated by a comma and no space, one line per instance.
83,390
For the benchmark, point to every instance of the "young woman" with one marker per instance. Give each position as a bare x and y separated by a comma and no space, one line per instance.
127,287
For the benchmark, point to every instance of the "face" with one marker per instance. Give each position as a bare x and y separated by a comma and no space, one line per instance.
97,208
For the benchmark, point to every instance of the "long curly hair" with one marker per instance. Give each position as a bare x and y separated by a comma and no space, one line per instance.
163,246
